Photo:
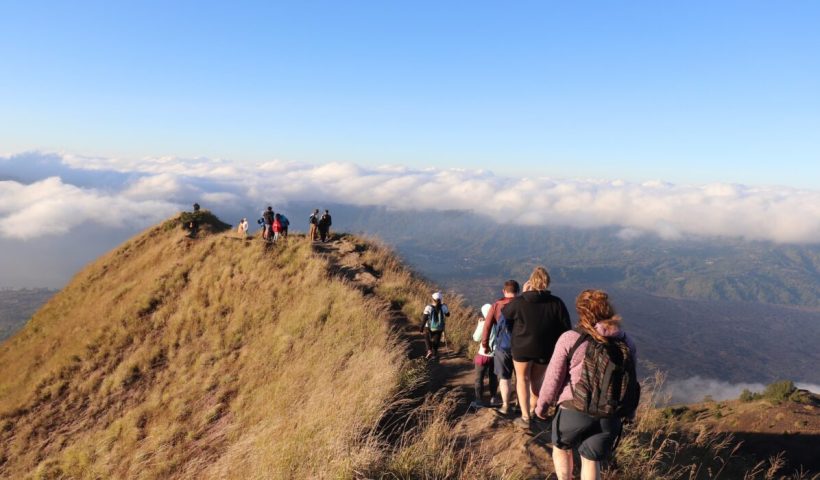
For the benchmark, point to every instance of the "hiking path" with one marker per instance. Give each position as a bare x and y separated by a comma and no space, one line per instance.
491,434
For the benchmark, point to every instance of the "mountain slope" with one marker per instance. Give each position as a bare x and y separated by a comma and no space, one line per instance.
220,357
214,356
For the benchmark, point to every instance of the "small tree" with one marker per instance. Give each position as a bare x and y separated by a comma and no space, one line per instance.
748,396
779,391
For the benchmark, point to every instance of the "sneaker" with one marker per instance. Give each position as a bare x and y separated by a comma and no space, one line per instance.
522,423
476,404
495,400
504,409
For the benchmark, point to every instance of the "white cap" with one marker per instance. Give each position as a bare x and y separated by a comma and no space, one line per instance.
485,309
436,295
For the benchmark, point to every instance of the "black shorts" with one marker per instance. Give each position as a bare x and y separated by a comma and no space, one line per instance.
593,437
503,364
539,361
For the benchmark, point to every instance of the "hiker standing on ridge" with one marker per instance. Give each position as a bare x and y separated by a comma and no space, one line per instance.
277,227
537,319
285,224
313,220
484,361
324,226
267,216
193,225
502,351
433,324
594,362
242,229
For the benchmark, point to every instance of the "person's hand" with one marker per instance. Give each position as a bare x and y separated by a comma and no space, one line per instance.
485,346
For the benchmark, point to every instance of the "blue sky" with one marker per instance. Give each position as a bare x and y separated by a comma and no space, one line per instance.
690,92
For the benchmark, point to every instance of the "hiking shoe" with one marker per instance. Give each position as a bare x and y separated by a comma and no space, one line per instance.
476,404
504,409
522,423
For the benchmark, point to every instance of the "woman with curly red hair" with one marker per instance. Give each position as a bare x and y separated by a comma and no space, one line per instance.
569,373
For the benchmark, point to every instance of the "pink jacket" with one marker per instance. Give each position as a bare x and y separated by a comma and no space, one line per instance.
556,387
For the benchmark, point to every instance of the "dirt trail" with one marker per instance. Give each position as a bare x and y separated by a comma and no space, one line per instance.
510,447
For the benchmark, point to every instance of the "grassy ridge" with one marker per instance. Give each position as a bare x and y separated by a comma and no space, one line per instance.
170,357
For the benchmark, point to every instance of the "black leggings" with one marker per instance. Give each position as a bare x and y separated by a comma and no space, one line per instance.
480,372
432,340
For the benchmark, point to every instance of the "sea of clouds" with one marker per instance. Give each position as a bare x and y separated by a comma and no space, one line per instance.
35,185
695,389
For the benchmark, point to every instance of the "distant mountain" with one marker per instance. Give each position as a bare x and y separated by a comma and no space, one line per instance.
456,244
18,305
688,301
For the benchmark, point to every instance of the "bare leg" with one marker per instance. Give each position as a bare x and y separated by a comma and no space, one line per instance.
590,469
537,373
505,388
522,387
562,460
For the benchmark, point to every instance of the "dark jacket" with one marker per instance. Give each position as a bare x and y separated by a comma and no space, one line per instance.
537,320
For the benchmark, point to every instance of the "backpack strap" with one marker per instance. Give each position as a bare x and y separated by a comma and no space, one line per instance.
583,338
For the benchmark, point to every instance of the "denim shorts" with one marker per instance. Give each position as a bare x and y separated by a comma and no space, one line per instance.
593,437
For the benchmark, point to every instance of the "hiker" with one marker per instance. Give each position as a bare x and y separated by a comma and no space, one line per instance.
268,216
502,351
193,225
572,380
484,360
285,225
324,226
433,324
536,318
277,227
242,229
313,220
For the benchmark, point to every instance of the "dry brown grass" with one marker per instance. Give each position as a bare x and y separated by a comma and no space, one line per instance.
660,446
216,358
207,358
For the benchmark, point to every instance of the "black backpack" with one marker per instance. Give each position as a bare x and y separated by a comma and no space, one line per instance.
609,385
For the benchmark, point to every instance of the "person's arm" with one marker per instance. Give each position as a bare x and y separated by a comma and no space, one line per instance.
556,376
492,317
425,318
445,309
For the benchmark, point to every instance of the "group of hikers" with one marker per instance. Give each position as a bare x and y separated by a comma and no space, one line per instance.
584,379
274,226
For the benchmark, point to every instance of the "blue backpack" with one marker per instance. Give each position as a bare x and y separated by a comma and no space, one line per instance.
503,339
436,320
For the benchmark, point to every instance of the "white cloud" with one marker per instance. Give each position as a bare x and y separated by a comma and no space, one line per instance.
778,214
51,207
694,389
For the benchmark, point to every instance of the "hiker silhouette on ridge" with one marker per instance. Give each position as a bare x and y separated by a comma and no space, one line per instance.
313,220
324,226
